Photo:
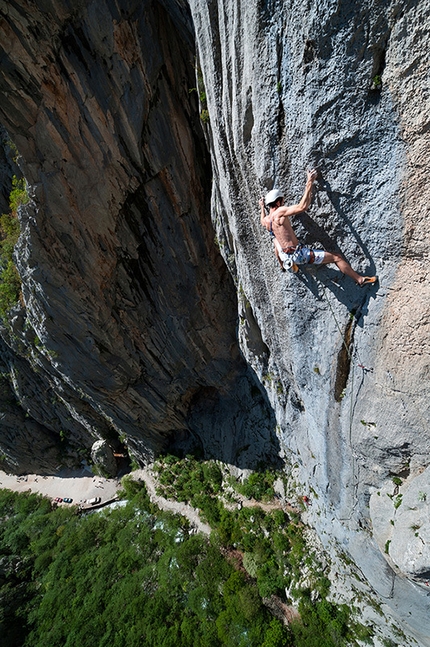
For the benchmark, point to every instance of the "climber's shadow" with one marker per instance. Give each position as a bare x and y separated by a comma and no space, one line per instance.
311,232
319,279
334,197
323,279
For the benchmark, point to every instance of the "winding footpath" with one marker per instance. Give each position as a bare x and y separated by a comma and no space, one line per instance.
170,505
80,485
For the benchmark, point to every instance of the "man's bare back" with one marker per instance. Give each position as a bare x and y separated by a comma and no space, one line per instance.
277,222
283,231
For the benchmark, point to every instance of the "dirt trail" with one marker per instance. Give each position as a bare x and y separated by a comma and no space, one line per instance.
80,485
177,507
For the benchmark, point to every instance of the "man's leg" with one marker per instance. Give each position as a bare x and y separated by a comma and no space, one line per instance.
346,268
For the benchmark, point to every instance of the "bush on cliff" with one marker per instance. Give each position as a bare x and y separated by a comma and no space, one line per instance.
10,282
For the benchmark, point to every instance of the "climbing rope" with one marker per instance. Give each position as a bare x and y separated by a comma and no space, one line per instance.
360,365
348,351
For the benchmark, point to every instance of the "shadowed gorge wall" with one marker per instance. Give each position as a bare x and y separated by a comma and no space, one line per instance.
151,295
129,310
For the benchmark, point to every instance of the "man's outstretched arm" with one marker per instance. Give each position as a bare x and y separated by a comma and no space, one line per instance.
306,198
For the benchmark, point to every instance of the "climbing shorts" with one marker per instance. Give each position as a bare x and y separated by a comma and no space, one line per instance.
301,255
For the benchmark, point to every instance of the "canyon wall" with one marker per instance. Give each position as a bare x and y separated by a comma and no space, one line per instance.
141,253
127,327
342,87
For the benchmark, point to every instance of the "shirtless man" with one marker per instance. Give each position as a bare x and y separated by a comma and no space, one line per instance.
289,252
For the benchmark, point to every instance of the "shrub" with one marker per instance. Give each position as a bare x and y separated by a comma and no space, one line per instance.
18,195
276,635
10,282
258,486
204,116
10,287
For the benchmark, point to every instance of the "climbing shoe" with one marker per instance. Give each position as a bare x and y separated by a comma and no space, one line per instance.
368,280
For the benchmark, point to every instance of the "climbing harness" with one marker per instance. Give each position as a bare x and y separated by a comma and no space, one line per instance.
290,265
300,254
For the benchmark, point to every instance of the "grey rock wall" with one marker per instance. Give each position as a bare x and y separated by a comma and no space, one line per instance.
128,324
291,86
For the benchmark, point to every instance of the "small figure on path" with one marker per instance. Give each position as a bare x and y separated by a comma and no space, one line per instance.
289,252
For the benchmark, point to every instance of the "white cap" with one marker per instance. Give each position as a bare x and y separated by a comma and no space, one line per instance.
272,196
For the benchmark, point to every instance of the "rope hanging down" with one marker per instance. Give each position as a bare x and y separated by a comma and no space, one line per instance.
352,364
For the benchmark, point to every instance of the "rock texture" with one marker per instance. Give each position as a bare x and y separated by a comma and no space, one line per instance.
401,519
102,456
127,331
291,86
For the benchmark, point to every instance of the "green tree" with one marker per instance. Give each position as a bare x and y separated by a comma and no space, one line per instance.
277,635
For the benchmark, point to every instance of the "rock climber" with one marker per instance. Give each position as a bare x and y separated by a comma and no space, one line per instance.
289,252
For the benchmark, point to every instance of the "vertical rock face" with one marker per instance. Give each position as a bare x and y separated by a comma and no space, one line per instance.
127,330
344,88
129,327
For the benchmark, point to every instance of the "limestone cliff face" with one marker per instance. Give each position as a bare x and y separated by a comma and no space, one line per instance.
127,330
343,87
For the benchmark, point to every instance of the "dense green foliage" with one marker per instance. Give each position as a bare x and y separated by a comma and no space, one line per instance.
135,576
272,544
273,547
10,283
258,486
185,479
119,579
10,287
18,195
